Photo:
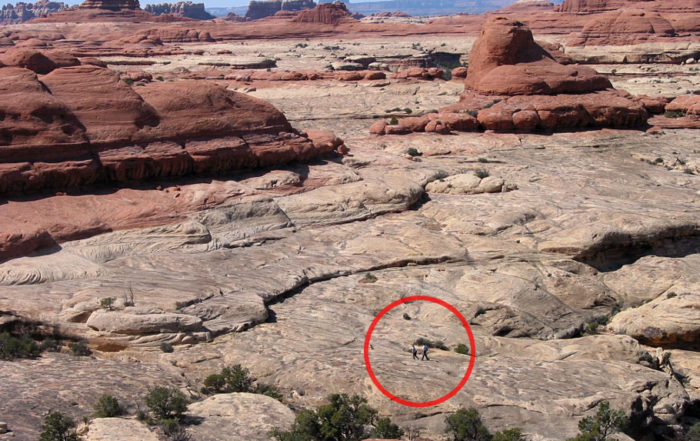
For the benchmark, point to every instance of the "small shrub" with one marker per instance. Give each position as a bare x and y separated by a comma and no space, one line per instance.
481,173
166,347
462,349
385,429
231,379
659,160
412,151
408,110
12,347
107,303
107,407
166,403
671,295
79,349
214,384
393,121
483,160
160,78
674,114
466,425
591,327
343,418
268,390
129,81
437,344
604,423
472,112
50,345
174,431
369,278
142,416
58,427
488,106
406,316
509,435
688,171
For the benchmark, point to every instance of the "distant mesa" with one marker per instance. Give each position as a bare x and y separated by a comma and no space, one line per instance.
327,13
114,5
180,9
258,9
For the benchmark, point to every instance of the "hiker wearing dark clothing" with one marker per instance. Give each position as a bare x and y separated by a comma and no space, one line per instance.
425,353
415,352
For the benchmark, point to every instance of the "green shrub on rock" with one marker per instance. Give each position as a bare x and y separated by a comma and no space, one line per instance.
509,435
166,403
107,407
345,418
58,427
604,423
12,347
231,379
466,425
385,429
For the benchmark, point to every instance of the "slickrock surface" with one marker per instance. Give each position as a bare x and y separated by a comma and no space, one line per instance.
572,254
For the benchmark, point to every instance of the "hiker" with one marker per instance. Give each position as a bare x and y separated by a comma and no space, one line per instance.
415,352
425,353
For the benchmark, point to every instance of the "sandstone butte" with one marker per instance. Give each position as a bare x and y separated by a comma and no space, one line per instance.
514,84
70,127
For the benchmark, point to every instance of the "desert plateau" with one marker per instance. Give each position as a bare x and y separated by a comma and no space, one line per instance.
345,221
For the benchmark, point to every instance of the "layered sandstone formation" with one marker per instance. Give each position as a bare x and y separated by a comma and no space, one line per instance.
79,125
180,9
22,12
110,4
327,13
266,8
513,83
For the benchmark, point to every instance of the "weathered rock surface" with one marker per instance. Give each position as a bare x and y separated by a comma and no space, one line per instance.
118,429
242,416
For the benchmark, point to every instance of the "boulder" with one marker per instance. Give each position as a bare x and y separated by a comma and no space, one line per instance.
688,104
666,321
118,429
30,59
459,72
133,321
467,183
241,416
